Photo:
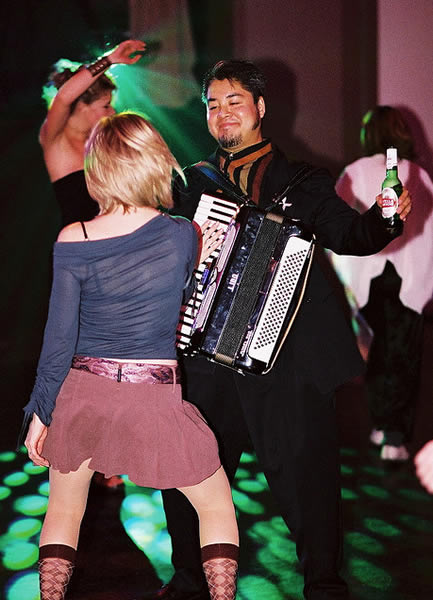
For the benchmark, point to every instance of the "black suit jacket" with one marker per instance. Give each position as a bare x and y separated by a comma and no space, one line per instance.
321,344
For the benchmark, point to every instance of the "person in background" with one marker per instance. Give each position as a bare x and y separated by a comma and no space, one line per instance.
424,466
107,395
289,413
76,100
392,287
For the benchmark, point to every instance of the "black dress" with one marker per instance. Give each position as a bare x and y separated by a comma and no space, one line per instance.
74,199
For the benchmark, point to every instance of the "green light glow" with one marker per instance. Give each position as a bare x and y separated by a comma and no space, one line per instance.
253,587
381,527
44,488
246,505
416,523
346,470
25,528
25,587
32,469
16,479
31,506
370,575
251,485
247,458
284,549
242,473
5,492
138,504
20,555
261,531
261,477
372,470
279,525
347,494
375,491
364,543
7,456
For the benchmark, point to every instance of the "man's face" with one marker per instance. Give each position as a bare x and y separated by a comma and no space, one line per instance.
233,118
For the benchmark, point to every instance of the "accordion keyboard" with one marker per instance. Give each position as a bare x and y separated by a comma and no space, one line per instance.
209,208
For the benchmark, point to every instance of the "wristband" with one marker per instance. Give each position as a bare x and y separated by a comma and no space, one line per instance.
99,66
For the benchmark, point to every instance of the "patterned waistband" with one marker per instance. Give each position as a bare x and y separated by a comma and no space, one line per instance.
130,372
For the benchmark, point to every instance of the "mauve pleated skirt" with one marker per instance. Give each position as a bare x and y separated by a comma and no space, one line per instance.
143,430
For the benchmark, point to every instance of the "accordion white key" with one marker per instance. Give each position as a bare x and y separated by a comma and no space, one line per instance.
210,208
253,291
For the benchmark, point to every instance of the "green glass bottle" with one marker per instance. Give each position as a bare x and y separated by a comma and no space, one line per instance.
391,191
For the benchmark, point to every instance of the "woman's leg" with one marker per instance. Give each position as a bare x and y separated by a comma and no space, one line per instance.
219,536
60,531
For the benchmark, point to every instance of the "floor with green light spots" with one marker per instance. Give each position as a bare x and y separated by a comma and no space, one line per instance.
125,550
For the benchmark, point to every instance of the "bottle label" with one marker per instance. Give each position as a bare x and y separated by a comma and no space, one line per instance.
390,202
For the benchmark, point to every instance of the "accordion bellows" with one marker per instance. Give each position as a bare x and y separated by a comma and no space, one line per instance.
252,291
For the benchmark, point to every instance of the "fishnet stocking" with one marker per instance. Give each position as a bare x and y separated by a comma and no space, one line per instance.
54,576
221,576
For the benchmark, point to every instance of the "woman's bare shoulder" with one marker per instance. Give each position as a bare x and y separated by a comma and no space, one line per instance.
71,233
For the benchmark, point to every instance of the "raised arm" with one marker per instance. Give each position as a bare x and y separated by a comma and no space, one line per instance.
72,89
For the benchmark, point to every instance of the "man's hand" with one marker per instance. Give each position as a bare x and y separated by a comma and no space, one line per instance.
122,52
404,204
35,441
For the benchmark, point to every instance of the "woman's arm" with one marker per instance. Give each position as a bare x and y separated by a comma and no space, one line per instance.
75,86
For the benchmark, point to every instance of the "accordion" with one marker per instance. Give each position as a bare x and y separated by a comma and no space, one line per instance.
252,291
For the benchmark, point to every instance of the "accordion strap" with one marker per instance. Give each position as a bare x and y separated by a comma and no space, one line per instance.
301,174
210,171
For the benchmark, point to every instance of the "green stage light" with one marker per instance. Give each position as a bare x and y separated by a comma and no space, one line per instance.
5,492
25,528
347,494
44,488
370,575
346,470
416,523
364,543
24,587
375,491
32,469
251,485
16,479
247,458
31,506
253,587
242,474
381,527
20,555
7,456
138,504
246,505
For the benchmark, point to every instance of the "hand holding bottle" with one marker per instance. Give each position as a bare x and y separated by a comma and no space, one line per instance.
404,204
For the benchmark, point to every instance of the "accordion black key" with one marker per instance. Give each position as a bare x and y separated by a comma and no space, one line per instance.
252,291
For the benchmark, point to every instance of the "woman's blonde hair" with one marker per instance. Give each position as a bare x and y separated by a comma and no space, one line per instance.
127,163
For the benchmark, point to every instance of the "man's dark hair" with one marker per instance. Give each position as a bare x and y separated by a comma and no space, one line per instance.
246,73
384,126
